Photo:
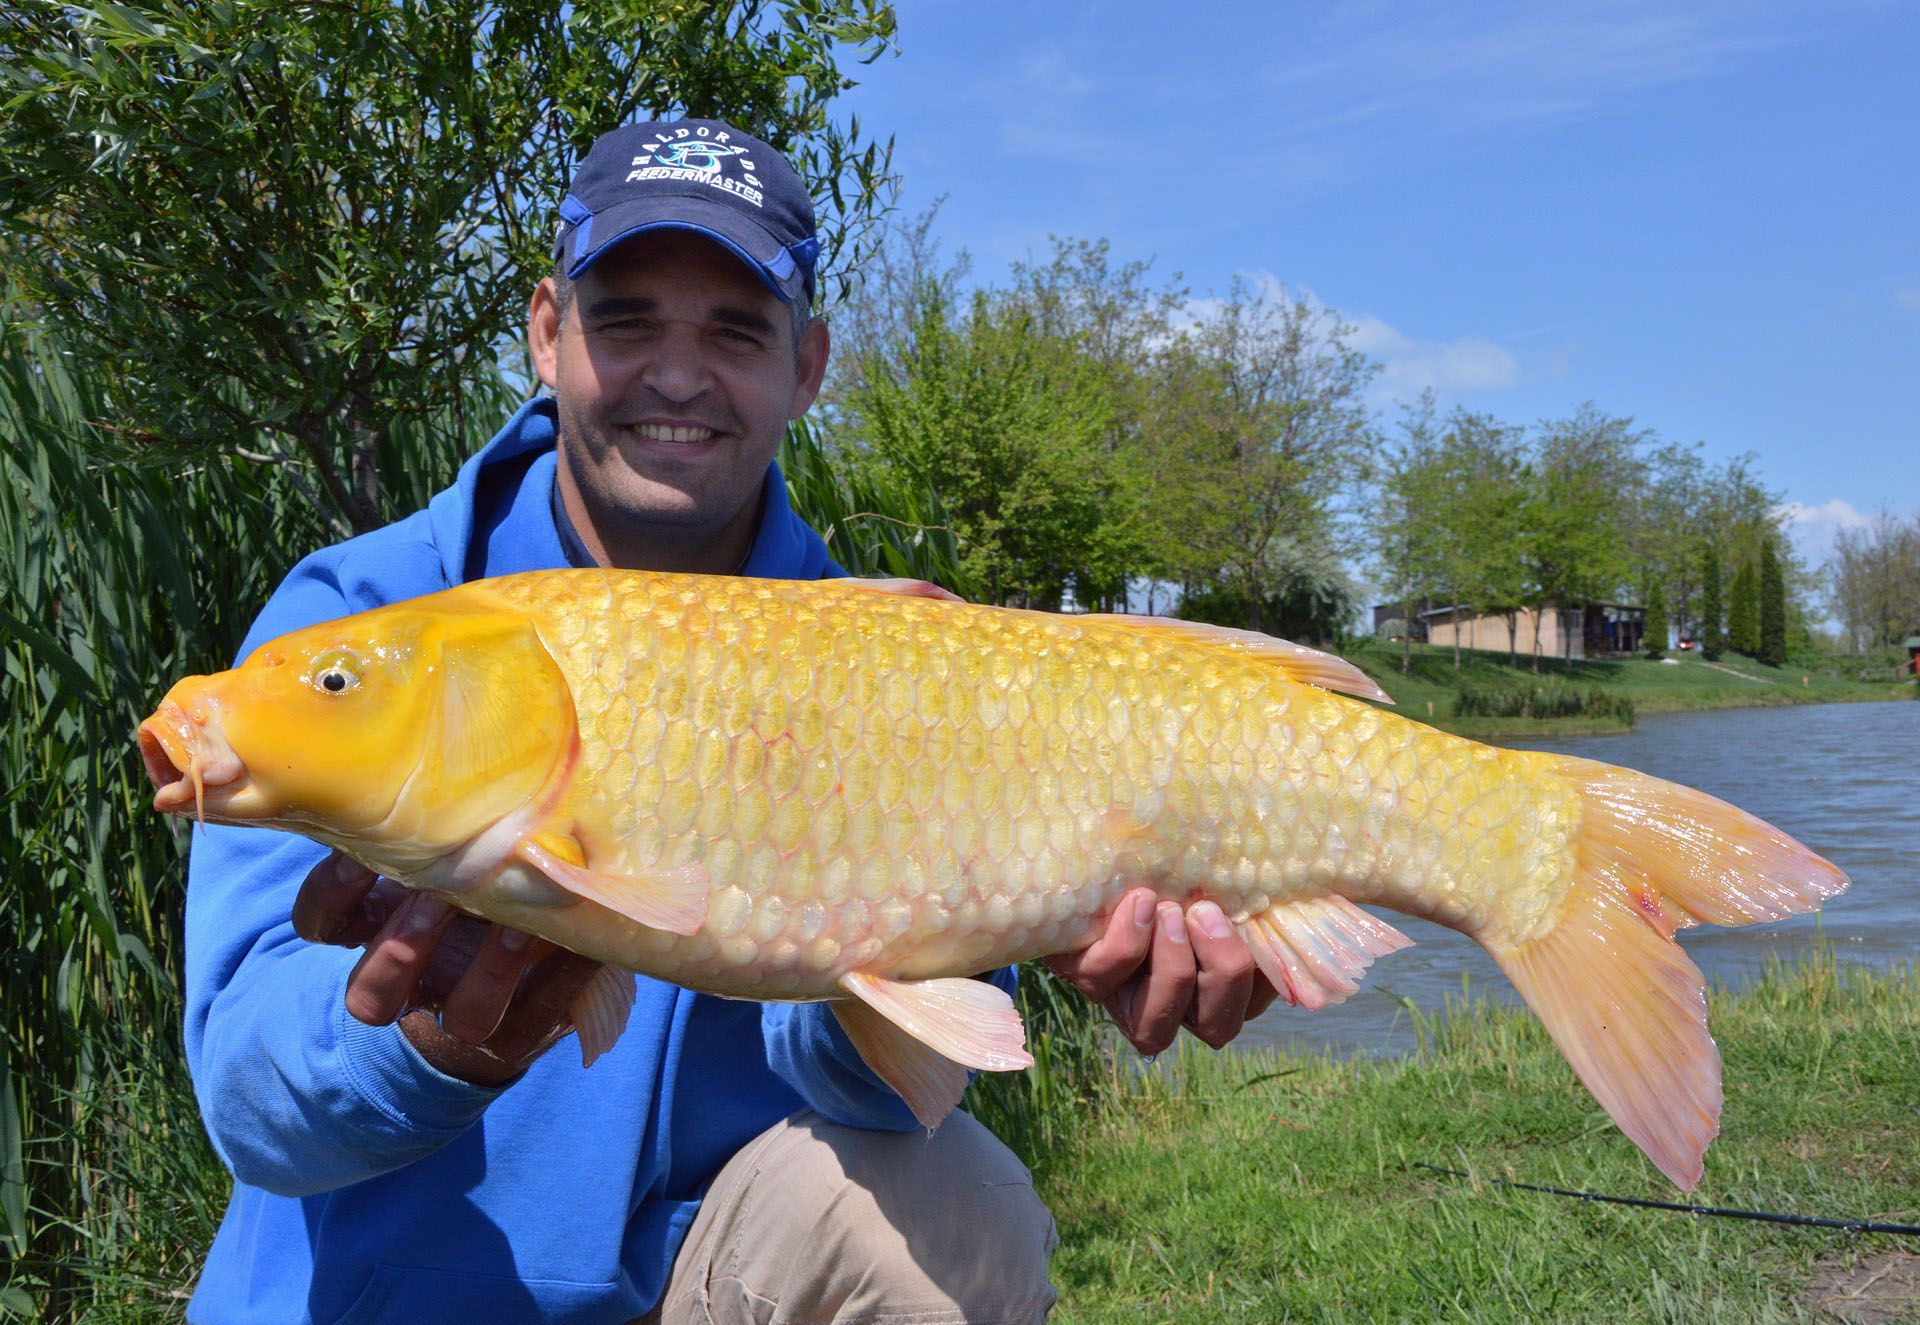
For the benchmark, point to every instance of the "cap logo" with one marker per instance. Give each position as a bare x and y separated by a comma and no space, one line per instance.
699,160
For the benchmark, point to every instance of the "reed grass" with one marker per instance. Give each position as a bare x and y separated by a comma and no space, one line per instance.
119,575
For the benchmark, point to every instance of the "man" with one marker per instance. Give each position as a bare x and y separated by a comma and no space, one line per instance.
725,1161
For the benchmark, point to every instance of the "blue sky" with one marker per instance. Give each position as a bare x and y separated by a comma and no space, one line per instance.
1705,216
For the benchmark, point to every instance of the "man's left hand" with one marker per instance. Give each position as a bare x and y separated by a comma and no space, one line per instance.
1157,968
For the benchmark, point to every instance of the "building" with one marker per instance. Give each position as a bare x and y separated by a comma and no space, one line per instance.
1587,630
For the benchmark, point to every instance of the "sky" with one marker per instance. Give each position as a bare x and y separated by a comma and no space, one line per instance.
1704,216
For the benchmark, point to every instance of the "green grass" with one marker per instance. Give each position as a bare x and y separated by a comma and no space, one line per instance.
1429,693
1254,1187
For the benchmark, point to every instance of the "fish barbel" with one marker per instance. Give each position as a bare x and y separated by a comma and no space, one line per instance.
852,791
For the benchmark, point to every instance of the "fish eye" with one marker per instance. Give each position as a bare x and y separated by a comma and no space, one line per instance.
335,672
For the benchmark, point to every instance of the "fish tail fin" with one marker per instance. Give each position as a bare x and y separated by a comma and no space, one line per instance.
1618,995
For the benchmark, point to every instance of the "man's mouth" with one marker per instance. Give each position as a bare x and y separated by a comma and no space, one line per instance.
680,433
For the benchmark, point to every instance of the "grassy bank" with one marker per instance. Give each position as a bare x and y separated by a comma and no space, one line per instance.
1250,1187
1430,692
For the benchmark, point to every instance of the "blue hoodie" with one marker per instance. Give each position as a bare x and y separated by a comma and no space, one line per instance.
368,1185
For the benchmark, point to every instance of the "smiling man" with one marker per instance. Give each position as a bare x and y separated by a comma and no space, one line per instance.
725,1161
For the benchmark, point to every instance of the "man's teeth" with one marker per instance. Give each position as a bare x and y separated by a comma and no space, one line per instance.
657,432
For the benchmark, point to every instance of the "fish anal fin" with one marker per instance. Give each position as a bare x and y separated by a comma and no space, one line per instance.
674,900
930,1083
600,1011
1300,663
1628,1009
1314,950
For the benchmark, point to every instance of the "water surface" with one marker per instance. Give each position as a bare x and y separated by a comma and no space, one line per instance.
1843,778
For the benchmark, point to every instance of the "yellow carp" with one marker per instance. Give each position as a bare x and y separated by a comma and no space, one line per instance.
841,790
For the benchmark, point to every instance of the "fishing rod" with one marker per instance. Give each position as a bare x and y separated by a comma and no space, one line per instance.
1723,1212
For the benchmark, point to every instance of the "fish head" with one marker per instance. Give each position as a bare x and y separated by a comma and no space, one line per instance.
396,734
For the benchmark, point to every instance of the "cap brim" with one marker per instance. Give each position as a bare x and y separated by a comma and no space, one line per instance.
724,225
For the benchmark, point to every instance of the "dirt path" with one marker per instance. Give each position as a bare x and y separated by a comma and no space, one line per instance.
1722,667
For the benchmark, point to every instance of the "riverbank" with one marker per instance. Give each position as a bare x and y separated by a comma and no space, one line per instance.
1258,1187
1431,690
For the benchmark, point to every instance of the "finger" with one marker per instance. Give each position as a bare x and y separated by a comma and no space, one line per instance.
329,902
1100,969
459,944
1169,984
543,1011
479,1001
1224,978
1263,996
384,982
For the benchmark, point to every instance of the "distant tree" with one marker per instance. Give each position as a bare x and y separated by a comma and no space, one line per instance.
1874,581
1280,416
1713,638
1576,548
1408,519
1773,608
1656,637
1008,424
1743,611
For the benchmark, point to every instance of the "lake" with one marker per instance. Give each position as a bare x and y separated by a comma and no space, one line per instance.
1843,778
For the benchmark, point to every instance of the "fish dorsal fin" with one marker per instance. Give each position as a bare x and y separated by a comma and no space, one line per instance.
1307,666
902,588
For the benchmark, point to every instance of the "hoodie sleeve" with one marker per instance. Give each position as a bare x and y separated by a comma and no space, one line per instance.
297,1095
809,1051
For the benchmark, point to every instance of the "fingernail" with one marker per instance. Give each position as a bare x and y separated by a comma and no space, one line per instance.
425,914
1143,910
513,940
1173,922
1211,919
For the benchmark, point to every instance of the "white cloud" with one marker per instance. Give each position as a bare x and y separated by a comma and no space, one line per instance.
1409,366
1812,528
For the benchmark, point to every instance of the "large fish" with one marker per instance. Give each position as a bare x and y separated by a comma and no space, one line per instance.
848,791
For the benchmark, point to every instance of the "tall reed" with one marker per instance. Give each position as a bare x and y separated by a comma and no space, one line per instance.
117,578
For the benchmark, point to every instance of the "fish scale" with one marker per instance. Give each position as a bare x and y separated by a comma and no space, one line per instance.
1032,713
858,792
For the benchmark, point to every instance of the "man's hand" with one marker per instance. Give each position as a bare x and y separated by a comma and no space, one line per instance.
505,996
1157,968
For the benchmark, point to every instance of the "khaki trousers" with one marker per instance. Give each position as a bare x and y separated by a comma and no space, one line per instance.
813,1223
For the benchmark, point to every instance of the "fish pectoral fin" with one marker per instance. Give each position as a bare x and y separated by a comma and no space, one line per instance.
1314,950
600,1011
920,1036
674,900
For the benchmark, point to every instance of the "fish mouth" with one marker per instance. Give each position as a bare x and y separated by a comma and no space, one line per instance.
187,757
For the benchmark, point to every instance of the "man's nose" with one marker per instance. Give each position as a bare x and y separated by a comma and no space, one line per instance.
677,367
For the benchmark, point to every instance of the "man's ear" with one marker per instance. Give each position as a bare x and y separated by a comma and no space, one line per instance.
543,331
810,365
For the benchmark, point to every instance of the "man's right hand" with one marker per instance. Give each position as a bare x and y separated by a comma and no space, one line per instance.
505,996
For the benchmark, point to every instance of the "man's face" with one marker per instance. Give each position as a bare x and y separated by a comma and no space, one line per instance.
675,373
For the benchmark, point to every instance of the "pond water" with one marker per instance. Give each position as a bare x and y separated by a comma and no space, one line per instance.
1840,777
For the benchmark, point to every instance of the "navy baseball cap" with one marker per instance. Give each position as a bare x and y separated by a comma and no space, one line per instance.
700,175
